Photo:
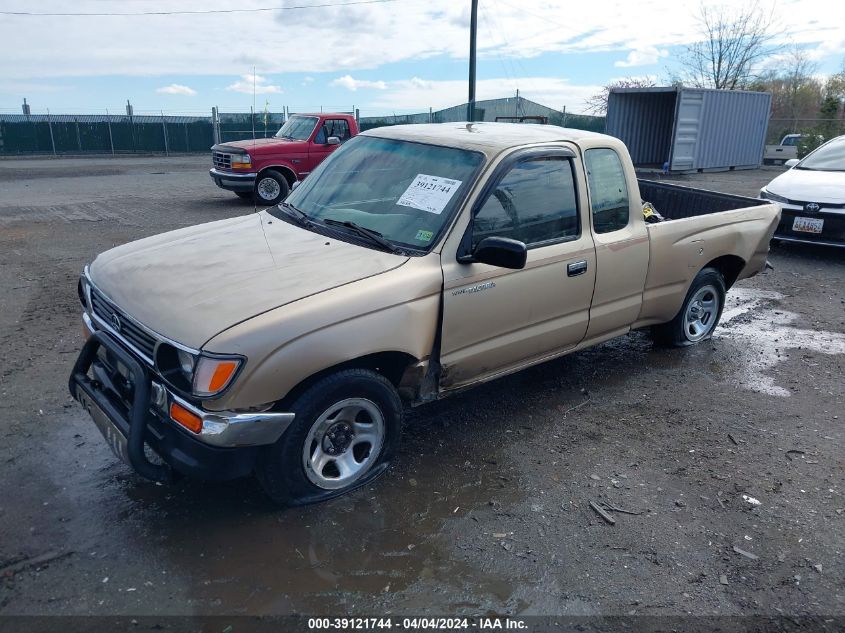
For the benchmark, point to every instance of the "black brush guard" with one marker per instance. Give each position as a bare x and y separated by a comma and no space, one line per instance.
132,424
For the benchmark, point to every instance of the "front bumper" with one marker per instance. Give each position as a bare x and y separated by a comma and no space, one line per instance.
833,229
129,407
232,181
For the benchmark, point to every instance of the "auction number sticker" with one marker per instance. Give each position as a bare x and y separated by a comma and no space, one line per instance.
429,193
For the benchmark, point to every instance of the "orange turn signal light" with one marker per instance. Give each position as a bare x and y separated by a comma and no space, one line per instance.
221,375
188,419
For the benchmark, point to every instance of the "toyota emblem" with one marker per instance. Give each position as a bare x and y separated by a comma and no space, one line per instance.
115,322
812,207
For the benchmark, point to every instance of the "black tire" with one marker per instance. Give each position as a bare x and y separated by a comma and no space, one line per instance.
271,188
244,195
685,329
281,467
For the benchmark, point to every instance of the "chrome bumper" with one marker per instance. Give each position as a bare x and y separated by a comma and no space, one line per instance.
230,429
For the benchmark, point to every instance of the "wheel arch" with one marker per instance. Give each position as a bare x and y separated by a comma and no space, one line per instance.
286,170
729,266
390,364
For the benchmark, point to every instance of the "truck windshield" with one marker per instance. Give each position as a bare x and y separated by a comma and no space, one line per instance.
829,157
405,191
298,128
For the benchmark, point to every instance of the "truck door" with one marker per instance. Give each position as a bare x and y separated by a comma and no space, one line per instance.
621,238
496,319
320,147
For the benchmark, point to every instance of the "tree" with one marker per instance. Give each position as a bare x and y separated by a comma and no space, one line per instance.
734,42
796,92
597,104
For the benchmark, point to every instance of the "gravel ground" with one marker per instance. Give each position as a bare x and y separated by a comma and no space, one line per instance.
728,455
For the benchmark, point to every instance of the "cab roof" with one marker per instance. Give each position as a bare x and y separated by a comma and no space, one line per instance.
489,138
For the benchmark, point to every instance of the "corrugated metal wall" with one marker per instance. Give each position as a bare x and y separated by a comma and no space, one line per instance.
691,128
643,121
733,129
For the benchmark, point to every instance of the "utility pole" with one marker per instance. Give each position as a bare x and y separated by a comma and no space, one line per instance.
473,30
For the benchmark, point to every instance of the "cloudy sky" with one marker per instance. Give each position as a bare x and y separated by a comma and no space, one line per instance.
381,56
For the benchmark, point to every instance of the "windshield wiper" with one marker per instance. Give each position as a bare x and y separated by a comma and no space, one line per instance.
297,214
374,236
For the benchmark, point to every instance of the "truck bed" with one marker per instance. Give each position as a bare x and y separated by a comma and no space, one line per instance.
701,226
674,202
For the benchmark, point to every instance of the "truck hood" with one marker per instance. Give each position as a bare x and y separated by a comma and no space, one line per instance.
191,284
261,145
806,185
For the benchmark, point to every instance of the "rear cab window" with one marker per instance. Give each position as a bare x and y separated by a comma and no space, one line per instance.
608,190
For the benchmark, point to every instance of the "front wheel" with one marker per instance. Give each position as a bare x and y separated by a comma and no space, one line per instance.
271,188
700,313
345,432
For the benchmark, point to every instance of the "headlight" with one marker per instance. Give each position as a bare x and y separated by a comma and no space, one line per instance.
768,195
82,291
202,376
213,375
186,363
241,161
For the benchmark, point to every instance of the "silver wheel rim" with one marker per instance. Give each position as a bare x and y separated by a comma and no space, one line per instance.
343,443
268,189
701,314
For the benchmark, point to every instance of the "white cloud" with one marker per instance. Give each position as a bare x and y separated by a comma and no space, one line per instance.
350,83
644,56
410,32
176,89
307,80
248,84
418,94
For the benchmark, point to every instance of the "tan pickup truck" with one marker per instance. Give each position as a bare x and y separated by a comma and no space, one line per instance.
414,262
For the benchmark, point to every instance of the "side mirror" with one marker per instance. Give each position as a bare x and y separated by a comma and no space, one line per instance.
501,251
295,185
791,163
333,140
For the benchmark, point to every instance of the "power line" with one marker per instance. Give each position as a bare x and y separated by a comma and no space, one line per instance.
202,12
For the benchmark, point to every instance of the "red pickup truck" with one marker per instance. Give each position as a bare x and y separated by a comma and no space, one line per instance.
267,168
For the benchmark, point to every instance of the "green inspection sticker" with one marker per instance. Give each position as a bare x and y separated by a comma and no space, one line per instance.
424,236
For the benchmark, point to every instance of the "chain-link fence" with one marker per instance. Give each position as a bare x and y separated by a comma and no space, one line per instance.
103,134
65,134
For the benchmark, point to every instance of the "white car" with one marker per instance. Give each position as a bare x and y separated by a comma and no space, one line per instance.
812,194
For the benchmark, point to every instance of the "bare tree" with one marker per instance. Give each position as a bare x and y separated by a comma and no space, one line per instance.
597,104
734,41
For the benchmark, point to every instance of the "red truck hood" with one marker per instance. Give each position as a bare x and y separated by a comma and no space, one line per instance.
261,145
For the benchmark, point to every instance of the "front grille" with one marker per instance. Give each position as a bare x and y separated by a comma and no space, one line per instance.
222,160
133,334
822,205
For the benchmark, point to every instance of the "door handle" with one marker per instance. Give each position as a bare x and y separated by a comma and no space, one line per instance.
576,268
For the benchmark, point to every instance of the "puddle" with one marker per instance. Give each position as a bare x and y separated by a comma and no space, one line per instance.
226,549
767,334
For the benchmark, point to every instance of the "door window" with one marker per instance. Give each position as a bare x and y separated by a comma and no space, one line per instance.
608,190
534,203
333,127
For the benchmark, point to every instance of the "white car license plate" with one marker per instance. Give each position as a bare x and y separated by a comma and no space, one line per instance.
808,225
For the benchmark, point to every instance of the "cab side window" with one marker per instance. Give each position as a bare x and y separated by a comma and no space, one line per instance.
534,202
608,190
333,127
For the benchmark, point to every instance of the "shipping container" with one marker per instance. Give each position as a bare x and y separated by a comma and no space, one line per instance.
690,129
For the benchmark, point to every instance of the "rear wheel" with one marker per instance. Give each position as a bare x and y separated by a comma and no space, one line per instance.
271,188
699,314
346,430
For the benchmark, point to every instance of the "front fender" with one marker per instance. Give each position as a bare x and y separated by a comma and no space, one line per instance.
397,311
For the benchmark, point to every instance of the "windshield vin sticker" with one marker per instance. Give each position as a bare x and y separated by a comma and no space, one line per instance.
429,193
